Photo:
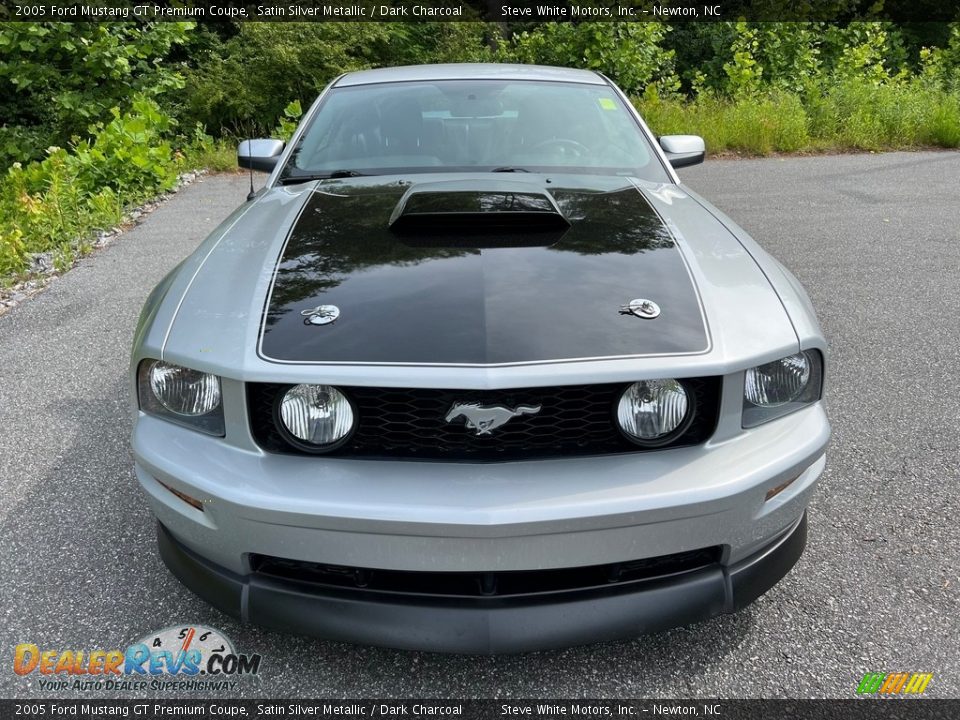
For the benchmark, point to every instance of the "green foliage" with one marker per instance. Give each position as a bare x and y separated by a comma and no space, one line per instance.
239,85
242,86
214,155
861,50
782,87
104,116
754,125
631,53
790,54
12,251
851,114
439,42
859,114
744,73
130,153
940,66
58,78
55,204
742,58
288,121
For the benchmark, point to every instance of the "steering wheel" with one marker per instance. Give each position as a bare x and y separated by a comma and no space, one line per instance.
577,147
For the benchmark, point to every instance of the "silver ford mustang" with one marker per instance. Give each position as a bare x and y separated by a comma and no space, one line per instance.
475,372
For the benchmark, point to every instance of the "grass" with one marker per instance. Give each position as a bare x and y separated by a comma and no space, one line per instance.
757,126
218,156
849,116
45,208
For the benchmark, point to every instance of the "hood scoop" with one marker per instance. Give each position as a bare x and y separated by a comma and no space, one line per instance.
473,214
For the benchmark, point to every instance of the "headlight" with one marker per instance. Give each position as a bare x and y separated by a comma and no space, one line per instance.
184,391
316,418
777,383
777,388
653,412
181,395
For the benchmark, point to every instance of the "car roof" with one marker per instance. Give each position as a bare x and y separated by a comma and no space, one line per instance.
469,71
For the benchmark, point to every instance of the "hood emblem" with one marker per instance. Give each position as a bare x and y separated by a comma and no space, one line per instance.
487,418
642,308
320,315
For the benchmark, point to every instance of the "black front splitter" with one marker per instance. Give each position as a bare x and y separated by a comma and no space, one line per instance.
487,625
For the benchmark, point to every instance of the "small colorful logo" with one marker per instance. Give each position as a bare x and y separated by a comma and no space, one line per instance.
184,651
894,683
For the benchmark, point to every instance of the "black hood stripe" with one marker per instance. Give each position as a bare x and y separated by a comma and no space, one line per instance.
471,302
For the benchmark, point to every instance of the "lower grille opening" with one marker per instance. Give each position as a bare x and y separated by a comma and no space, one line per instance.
481,584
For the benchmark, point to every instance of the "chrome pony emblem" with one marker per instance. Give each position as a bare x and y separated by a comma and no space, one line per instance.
487,418
321,315
642,308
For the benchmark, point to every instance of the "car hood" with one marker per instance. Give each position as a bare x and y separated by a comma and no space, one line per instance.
482,272
432,271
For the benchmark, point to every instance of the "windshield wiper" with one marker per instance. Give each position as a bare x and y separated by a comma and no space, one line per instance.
293,179
509,168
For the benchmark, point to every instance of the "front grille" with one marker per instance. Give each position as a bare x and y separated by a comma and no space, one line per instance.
410,423
479,584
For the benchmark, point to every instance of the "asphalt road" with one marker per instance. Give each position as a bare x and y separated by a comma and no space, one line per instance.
876,241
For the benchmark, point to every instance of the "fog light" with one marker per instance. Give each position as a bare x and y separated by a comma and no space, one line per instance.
315,418
653,412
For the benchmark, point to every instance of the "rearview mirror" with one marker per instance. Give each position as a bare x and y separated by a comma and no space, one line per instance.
683,150
261,154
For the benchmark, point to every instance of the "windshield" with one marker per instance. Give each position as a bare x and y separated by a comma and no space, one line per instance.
473,125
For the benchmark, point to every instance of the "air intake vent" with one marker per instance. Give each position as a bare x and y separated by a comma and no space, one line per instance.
470,214
466,585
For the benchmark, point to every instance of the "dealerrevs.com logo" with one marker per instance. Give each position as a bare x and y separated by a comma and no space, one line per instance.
183,657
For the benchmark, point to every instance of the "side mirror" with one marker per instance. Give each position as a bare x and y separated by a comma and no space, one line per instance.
683,150
259,154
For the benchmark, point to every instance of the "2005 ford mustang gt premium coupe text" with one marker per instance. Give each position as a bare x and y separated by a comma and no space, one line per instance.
475,372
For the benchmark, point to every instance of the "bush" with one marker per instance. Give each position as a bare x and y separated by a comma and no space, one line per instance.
242,86
56,203
439,42
631,53
58,78
130,154
12,251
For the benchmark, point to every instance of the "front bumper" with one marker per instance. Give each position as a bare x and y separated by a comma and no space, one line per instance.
496,517
488,625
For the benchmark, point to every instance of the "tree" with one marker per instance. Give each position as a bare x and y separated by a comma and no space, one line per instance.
56,79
